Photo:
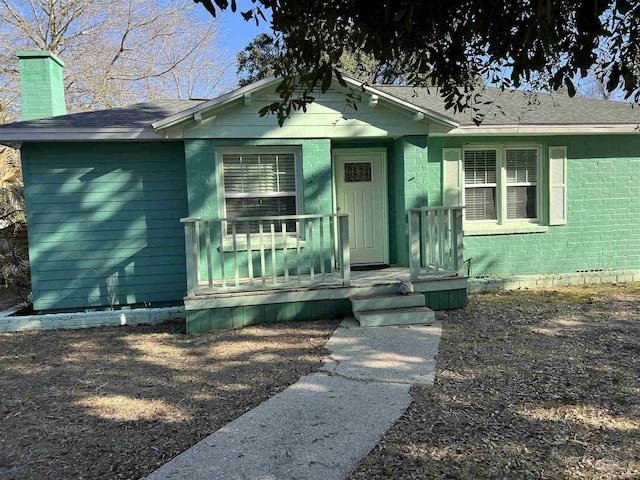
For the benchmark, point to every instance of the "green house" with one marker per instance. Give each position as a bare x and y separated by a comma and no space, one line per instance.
207,203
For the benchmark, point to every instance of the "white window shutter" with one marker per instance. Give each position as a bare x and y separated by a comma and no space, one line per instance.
451,177
557,185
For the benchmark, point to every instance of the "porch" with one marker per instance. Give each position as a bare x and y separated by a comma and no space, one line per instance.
249,270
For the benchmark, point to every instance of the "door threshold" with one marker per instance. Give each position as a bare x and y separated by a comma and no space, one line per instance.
369,267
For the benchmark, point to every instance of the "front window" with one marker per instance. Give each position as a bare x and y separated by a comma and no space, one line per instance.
259,185
522,167
480,184
500,184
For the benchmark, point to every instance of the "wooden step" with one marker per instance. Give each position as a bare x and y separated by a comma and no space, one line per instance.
386,302
396,316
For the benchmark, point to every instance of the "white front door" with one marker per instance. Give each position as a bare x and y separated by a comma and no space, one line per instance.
360,181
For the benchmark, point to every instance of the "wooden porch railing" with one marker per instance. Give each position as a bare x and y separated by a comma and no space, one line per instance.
257,253
435,241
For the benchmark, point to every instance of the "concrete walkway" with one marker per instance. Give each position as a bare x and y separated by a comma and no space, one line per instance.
323,425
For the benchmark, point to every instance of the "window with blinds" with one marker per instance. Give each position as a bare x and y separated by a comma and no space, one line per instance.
521,166
480,184
257,185
501,184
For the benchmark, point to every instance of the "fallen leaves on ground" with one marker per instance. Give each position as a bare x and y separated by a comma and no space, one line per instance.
538,384
119,402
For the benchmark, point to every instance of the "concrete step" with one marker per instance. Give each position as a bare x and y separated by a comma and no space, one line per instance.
386,302
395,316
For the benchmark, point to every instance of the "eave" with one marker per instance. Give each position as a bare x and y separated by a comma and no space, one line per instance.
429,115
506,130
38,134
217,102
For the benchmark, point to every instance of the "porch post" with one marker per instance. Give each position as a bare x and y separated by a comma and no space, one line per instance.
191,242
414,244
458,242
345,253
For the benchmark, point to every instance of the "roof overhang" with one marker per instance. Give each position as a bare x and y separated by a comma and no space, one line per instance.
217,102
594,129
36,134
200,111
429,115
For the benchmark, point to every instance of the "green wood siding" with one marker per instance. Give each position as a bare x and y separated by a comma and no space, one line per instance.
446,299
603,214
104,223
238,317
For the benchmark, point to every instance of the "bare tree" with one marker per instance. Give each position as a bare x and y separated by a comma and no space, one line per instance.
592,86
117,51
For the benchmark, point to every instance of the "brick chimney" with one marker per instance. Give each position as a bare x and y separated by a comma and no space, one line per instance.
41,85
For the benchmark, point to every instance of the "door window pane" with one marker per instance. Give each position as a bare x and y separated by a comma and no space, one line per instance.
357,172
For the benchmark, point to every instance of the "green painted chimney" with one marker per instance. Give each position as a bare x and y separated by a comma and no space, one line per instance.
41,85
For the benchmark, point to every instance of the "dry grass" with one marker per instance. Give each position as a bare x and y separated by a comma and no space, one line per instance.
529,384
119,402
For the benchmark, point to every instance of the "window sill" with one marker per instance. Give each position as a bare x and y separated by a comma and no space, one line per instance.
241,244
509,229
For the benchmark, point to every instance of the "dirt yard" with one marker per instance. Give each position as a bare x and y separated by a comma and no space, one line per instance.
119,402
529,384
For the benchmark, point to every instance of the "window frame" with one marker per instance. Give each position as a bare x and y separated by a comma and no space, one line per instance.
501,185
296,150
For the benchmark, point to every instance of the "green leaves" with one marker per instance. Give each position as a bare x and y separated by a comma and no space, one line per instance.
326,81
571,88
542,45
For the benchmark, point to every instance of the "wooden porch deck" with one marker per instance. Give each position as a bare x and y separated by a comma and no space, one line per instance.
359,278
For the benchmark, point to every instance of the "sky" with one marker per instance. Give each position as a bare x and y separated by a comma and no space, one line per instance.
235,33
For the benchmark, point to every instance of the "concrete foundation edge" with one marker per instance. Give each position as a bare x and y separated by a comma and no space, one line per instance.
493,284
136,316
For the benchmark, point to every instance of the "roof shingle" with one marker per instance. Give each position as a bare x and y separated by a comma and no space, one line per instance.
499,107
517,107
138,115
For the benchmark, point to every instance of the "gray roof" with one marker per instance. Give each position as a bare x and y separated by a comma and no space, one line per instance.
138,115
517,107
502,108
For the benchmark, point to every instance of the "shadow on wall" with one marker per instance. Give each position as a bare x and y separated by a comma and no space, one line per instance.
477,265
106,225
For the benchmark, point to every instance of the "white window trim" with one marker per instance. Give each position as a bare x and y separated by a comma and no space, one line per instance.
502,224
241,242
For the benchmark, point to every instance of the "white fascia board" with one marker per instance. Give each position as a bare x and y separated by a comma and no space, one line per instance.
37,134
624,128
214,103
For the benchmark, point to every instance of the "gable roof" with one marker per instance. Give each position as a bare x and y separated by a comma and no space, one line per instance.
265,83
507,112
